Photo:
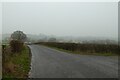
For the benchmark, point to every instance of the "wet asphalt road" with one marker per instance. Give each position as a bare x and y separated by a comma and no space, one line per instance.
51,63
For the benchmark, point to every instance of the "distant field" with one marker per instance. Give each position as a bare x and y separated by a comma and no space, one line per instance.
95,49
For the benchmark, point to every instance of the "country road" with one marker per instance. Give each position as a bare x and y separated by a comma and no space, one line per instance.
51,63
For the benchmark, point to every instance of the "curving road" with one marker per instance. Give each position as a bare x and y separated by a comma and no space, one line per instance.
51,63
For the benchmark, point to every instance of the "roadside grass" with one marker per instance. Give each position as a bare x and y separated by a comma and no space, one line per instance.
16,65
84,53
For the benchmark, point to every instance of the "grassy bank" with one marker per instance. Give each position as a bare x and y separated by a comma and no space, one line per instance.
16,65
85,49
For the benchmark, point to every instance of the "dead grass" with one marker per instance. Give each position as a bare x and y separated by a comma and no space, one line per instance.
16,65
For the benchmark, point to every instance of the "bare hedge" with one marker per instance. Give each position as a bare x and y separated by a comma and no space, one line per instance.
16,46
93,48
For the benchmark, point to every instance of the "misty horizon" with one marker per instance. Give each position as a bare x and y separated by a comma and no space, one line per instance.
42,36
74,19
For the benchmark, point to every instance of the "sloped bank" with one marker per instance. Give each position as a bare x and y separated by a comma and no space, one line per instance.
16,65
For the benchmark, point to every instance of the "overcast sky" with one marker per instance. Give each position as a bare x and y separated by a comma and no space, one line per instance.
62,18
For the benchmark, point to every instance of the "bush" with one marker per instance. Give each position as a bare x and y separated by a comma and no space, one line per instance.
16,46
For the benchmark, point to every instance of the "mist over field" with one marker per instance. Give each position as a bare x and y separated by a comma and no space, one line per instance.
69,39
62,19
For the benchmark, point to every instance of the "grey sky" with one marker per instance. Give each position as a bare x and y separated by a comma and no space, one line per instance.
62,19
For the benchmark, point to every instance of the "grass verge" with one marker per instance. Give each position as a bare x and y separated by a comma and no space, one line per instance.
16,65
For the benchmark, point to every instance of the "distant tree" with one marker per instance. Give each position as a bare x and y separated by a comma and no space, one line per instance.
19,35
17,40
70,41
52,40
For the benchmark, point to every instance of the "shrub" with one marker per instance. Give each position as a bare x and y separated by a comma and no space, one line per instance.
16,46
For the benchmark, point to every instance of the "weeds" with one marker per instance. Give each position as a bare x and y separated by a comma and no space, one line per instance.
16,65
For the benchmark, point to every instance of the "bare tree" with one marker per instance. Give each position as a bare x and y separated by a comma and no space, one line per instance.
19,35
